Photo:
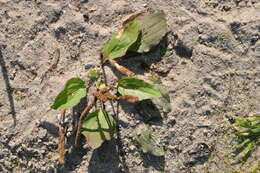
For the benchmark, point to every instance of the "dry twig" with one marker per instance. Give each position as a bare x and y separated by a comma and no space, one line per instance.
53,65
61,145
82,117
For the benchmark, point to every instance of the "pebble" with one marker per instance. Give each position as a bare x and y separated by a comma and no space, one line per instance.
42,133
89,66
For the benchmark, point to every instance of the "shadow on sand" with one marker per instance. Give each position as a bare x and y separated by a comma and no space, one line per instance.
8,87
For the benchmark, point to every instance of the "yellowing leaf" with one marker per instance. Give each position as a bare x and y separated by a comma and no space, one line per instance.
154,27
75,89
98,127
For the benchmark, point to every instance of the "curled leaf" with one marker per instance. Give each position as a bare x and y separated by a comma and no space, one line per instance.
75,89
98,127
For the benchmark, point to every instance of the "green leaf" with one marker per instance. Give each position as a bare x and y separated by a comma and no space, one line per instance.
93,74
98,127
118,45
154,27
140,33
247,150
148,144
243,123
168,52
249,136
253,119
137,87
243,143
75,89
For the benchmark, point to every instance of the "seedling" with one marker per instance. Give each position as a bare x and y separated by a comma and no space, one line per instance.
140,32
248,135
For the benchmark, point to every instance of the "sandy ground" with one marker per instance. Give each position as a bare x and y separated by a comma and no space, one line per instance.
213,73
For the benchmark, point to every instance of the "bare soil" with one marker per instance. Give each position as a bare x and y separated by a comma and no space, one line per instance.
212,74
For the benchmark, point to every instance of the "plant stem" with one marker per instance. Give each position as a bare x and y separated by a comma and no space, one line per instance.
120,68
61,145
82,117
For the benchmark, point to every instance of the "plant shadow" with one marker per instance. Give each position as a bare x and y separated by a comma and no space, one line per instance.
51,128
145,111
9,89
73,158
157,163
105,159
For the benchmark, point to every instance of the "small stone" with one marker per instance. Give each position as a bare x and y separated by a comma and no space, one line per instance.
42,133
89,66
131,147
41,151
85,146
85,157
7,164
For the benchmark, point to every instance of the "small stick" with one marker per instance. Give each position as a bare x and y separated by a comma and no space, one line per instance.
120,68
61,144
53,65
82,117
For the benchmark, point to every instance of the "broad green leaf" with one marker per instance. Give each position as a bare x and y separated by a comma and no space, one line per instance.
75,89
98,127
137,87
148,144
154,27
118,45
